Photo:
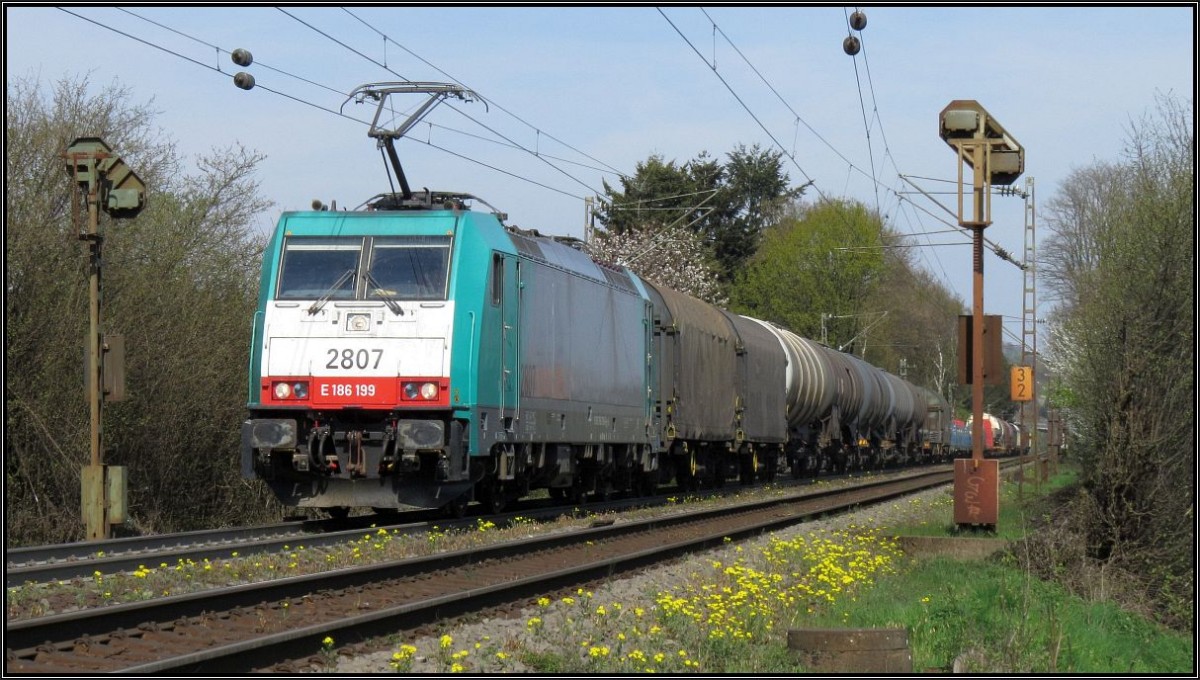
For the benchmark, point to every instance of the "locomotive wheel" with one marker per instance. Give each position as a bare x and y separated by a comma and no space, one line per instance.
457,508
557,494
494,498
496,501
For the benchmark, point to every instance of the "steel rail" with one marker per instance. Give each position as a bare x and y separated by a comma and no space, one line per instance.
29,641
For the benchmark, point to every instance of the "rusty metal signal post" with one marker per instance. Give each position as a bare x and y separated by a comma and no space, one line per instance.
110,185
995,157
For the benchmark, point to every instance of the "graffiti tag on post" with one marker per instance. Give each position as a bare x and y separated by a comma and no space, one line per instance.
976,491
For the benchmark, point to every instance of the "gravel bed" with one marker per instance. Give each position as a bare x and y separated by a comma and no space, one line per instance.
510,634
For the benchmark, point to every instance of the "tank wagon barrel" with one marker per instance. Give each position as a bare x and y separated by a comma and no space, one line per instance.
811,384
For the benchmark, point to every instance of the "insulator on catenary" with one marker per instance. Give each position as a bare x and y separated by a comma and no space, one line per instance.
241,57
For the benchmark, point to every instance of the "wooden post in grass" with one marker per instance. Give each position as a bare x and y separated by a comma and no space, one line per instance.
852,650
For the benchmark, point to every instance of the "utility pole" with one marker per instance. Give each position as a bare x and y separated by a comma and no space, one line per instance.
589,218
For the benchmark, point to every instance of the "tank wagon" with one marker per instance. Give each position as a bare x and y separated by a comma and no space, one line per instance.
1000,437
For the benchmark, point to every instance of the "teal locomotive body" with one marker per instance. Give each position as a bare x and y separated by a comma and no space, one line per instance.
433,356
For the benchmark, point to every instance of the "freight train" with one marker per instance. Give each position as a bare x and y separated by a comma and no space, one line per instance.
429,356
422,353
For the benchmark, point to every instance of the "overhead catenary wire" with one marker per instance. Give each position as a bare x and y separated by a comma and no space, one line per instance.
387,39
207,66
883,134
268,67
451,106
851,166
1002,253
296,99
743,104
223,50
863,107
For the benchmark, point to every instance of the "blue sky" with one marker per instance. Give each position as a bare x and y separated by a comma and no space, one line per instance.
617,84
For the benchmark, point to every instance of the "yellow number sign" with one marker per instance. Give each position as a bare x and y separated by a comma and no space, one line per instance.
1022,383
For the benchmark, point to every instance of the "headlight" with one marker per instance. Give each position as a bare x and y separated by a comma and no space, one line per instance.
421,391
290,390
358,322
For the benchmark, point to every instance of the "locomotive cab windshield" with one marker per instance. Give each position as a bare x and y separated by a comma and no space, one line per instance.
396,267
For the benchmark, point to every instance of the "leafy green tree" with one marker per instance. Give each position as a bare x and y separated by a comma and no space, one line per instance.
659,194
756,195
814,272
728,205
178,282
920,327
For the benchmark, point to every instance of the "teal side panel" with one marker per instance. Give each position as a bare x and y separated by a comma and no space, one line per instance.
651,387
476,359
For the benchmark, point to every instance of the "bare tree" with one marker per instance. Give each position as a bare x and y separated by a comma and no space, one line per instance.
179,282
1124,264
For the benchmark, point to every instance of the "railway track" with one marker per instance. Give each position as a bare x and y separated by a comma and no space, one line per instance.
251,627
43,564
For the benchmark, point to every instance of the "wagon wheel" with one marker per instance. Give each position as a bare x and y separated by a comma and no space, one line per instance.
604,491
576,495
338,512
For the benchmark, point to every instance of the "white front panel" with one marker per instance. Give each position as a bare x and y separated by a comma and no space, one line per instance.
358,339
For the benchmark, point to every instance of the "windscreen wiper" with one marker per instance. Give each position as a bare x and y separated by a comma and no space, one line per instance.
386,296
316,306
